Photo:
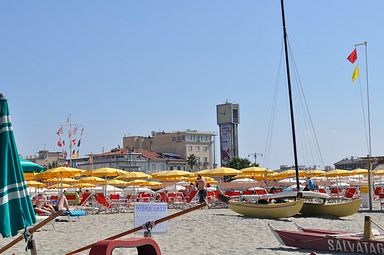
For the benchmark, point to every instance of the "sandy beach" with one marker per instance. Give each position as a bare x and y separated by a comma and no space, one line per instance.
207,231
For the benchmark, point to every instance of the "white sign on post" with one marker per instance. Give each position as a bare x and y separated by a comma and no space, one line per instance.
144,212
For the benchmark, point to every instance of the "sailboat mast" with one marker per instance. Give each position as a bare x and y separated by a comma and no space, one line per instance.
290,97
370,191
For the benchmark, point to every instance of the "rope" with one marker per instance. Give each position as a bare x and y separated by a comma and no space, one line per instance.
377,225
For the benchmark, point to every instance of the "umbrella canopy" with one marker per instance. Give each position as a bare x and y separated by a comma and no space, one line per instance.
16,210
337,173
60,172
59,186
288,173
106,172
83,185
378,172
359,171
223,171
92,180
202,172
254,170
29,176
173,174
314,173
30,167
61,180
136,183
35,184
117,183
133,175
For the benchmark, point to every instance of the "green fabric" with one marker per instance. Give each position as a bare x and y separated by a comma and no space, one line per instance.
16,210
30,167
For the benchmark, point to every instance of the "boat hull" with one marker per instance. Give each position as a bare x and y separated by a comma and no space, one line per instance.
339,209
272,211
318,241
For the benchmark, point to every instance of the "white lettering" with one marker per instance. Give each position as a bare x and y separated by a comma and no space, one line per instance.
331,247
372,248
366,247
338,246
359,248
345,248
351,246
380,248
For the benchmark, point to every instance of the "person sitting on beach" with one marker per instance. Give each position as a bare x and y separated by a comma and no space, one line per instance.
40,203
202,188
62,203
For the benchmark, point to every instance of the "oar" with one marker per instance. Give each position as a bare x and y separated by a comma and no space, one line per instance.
169,217
32,230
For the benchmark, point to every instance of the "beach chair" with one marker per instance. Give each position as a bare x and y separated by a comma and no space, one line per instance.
247,192
104,204
190,198
336,192
321,190
350,193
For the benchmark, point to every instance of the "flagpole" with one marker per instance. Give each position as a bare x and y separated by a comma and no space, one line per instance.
369,126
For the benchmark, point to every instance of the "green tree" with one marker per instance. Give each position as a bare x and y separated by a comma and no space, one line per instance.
239,163
192,161
54,164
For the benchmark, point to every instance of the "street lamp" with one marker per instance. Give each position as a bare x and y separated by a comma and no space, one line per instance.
255,156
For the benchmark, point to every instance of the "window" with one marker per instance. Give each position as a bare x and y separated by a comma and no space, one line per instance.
205,148
189,148
173,139
153,166
197,148
205,160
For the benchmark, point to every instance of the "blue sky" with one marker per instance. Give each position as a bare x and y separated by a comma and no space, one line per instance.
132,67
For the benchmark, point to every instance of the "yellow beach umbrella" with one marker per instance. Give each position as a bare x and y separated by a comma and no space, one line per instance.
254,170
36,184
378,172
287,173
60,172
223,171
173,174
314,173
60,180
133,175
92,180
59,186
202,172
29,176
106,172
83,185
337,173
117,183
150,183
359,171
136,182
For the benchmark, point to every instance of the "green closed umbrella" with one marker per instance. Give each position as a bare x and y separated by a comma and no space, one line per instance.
30,167
16,210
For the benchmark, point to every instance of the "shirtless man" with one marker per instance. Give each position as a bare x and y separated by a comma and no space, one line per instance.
202,188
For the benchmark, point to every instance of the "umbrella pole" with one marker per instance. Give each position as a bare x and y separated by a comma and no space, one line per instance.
31,230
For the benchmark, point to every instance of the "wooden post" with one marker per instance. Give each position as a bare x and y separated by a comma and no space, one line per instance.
368,235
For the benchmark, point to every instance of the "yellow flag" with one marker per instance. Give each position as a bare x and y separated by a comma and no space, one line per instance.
355,74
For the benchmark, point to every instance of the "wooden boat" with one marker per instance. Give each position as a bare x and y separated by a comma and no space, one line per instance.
270,210
332,241
342,208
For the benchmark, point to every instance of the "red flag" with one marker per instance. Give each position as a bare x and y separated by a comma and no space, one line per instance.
353,56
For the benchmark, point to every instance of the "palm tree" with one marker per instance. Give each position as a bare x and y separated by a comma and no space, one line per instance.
192,161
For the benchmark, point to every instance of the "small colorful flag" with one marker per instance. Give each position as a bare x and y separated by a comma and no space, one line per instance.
78,144
65,154
355,74
77,153
353,56
73,153
74,142
75,131
59,143
63,143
